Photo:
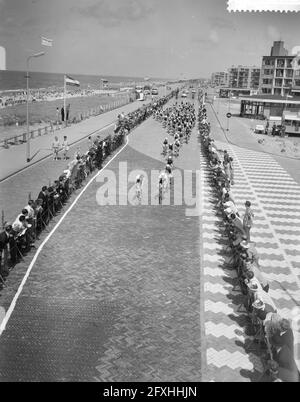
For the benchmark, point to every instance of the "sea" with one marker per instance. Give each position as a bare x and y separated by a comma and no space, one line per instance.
15,80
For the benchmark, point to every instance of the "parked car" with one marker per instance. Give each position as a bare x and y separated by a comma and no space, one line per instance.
183,95
259,129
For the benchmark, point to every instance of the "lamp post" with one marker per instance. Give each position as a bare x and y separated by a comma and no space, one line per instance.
229,104
27,104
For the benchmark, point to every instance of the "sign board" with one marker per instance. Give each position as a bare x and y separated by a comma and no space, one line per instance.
228,115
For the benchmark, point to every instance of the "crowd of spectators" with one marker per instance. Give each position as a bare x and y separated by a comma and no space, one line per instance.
272,331
18,237
37,95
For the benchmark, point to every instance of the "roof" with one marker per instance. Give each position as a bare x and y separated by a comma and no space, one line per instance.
272,98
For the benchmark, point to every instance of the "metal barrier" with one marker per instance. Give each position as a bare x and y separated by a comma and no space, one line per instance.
21,138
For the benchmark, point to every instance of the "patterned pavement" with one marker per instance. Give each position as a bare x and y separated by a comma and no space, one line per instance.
275,200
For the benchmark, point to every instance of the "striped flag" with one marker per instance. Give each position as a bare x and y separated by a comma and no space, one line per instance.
47,42
71,81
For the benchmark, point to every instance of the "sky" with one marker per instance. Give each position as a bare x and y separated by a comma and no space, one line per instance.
154,38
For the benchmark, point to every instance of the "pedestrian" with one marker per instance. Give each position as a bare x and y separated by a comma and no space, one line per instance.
68,113
248,219
62,111
231,171
57,116
55,148
65,146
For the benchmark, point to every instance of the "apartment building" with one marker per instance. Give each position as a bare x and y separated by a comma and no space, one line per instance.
244,77
219,78
278,75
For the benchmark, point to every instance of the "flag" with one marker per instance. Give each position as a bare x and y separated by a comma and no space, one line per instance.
46,42
70,81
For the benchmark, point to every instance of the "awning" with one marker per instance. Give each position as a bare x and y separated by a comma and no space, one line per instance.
293,117
275,118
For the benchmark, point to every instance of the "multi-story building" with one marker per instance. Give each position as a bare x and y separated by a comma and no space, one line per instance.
219,78
278,75
244,77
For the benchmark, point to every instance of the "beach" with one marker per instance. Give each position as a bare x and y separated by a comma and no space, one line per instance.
41,113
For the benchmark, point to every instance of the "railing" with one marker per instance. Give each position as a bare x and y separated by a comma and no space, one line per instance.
53,126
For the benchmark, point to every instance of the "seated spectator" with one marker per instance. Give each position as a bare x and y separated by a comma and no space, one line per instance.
262,309
30,211
238,225
250,250
19,225
258,275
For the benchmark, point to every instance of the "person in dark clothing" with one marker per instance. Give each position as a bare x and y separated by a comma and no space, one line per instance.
285,360
68,112
4,241
99,155
62,111
43,195
284,336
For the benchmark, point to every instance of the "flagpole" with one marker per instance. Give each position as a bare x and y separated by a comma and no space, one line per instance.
65,94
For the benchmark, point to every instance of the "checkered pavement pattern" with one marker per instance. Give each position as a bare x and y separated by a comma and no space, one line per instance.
275,199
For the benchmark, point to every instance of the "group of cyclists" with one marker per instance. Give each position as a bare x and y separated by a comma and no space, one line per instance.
179,120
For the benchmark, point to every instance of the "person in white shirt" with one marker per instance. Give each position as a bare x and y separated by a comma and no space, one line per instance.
30,210
19,224
55,148
65,146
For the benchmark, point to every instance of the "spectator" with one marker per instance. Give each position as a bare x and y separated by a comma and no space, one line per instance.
285,359
57,116
30,211
248,220
43,195
284,335
65,146
4,241
55,148
67,113
251,251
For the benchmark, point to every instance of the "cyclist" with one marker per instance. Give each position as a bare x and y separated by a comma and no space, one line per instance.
138,187
177,147
165,146
168,171
170,161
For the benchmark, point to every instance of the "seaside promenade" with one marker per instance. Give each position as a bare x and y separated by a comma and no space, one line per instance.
107,299
142,292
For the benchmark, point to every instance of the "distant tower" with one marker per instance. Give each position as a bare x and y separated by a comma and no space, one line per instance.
2,58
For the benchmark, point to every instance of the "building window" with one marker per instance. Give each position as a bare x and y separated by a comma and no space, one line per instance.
280,63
